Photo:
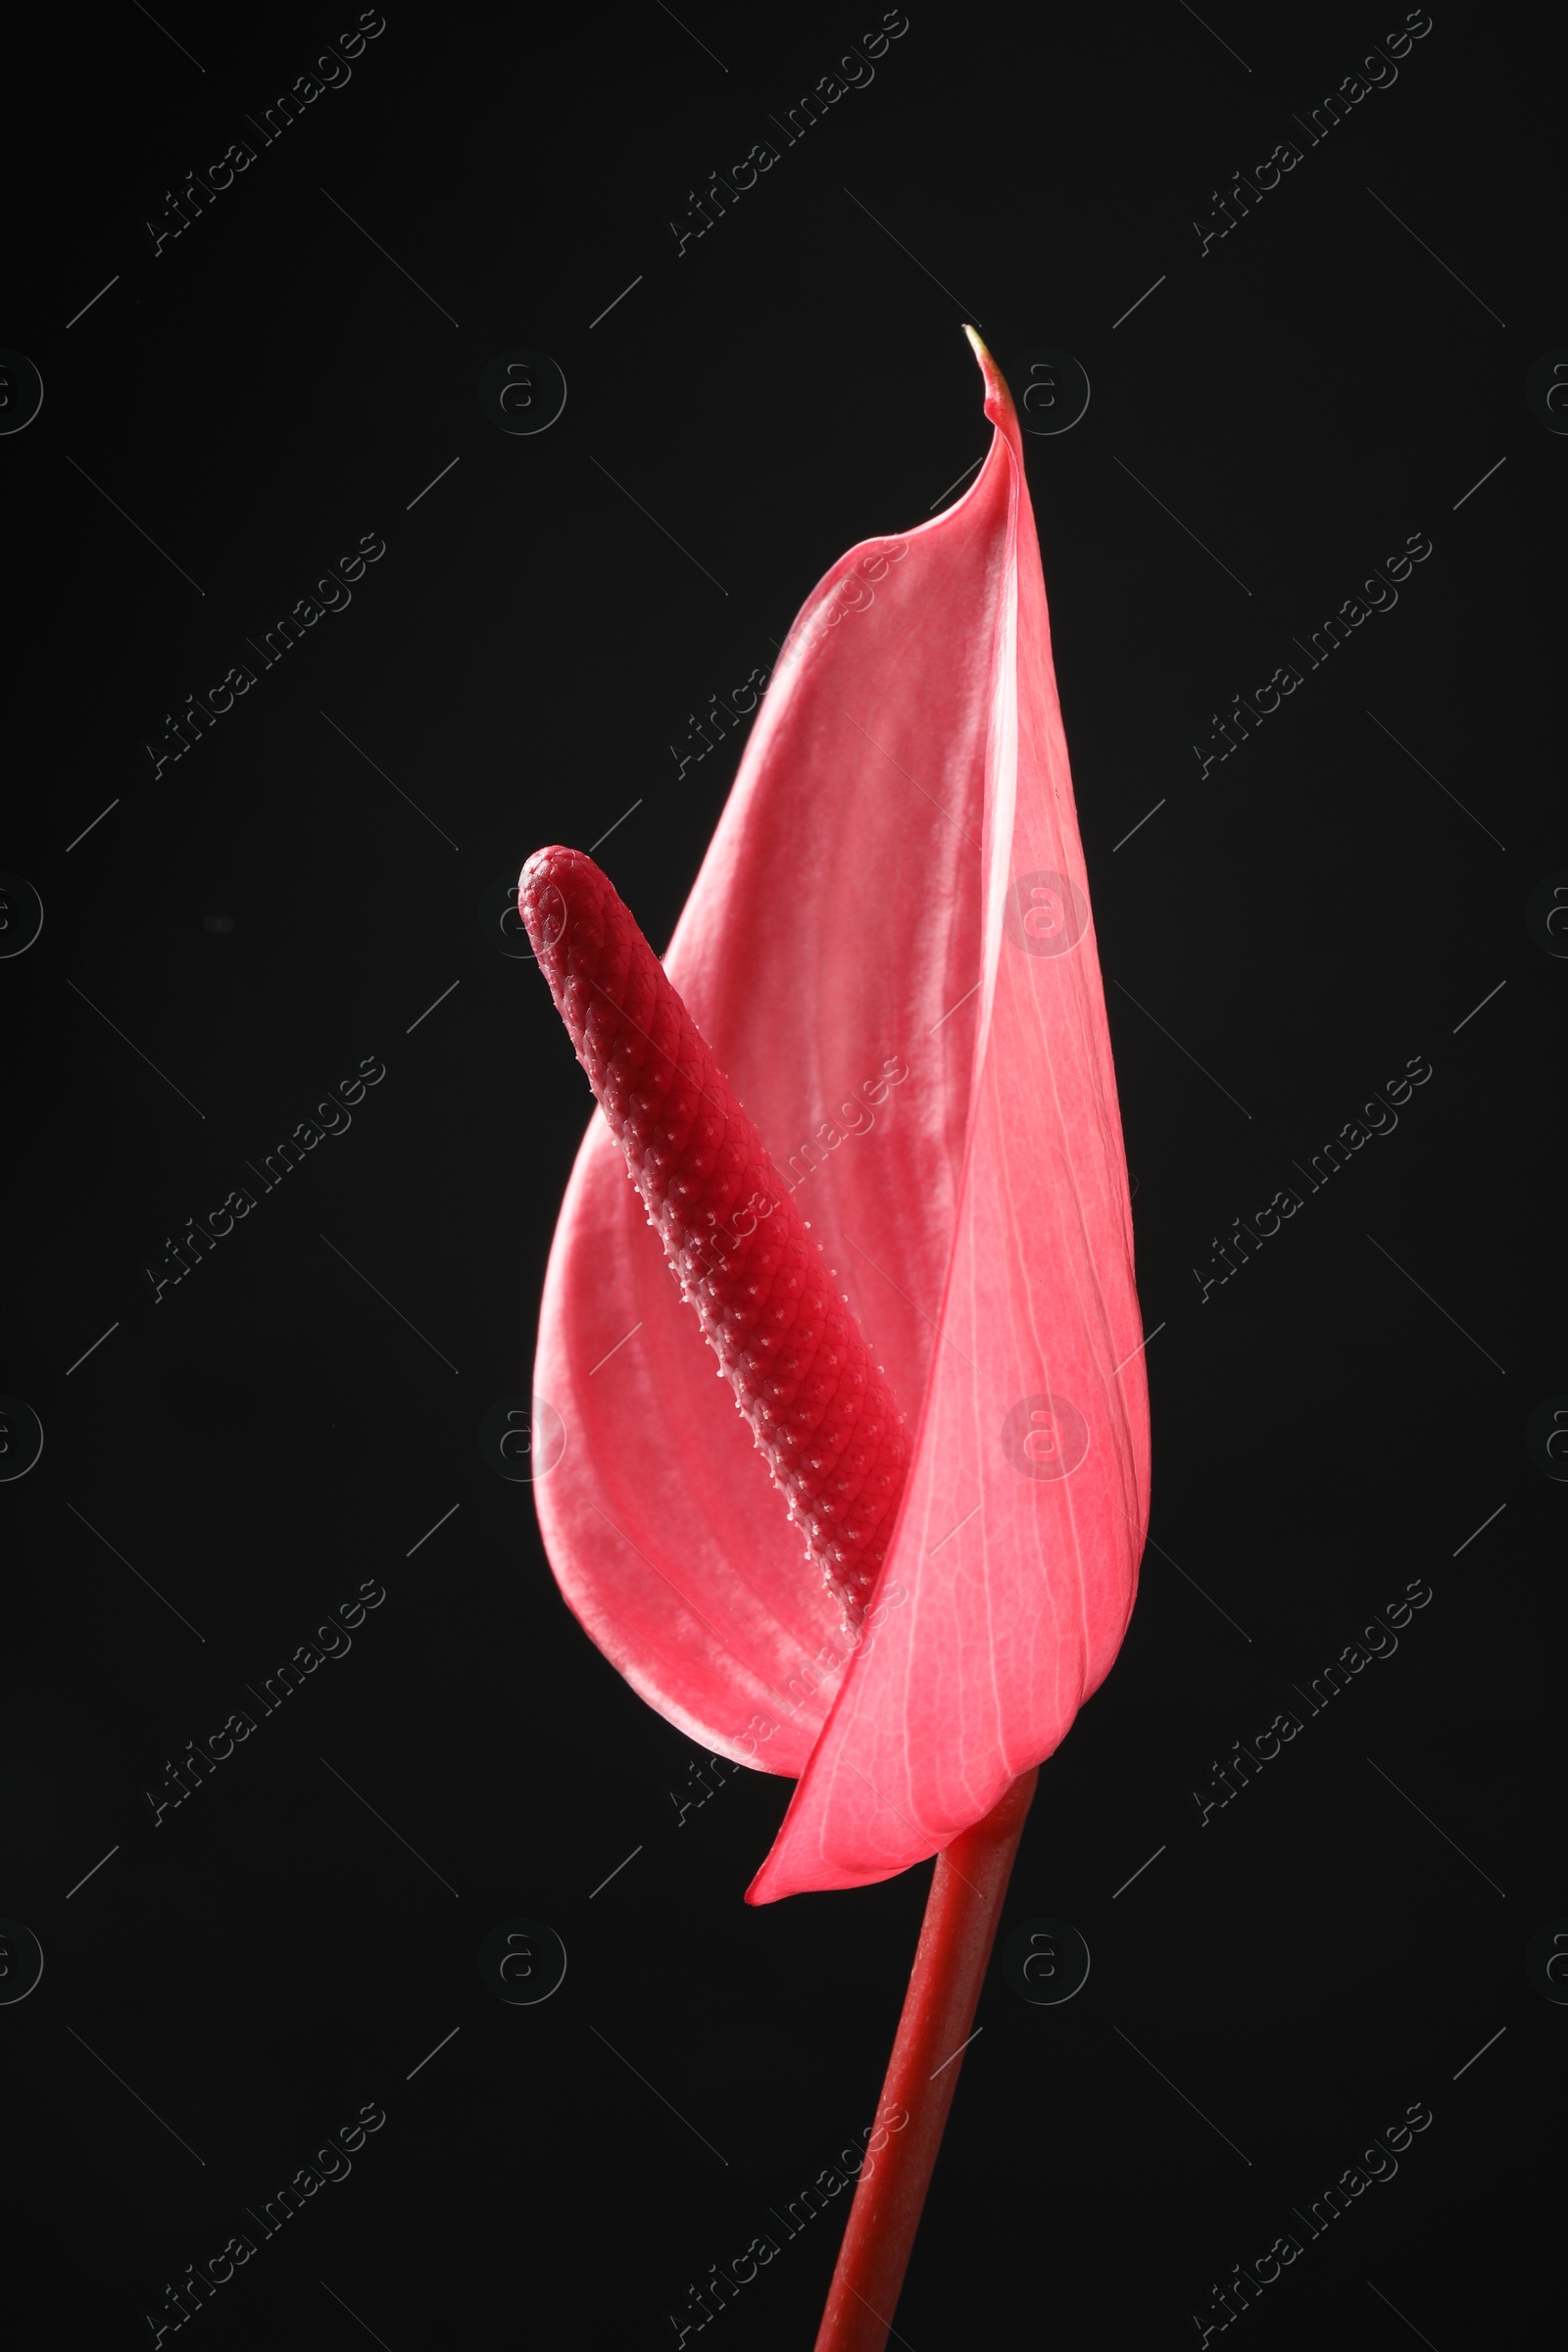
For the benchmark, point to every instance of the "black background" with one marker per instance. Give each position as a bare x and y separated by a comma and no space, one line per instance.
1337,1420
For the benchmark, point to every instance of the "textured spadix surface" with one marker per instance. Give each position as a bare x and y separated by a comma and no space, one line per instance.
819,1407
897,884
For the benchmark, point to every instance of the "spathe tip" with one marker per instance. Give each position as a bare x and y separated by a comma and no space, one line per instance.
998,400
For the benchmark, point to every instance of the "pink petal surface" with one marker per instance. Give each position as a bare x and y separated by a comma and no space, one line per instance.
897,884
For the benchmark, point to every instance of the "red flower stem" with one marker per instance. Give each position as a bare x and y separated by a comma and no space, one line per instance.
960,1927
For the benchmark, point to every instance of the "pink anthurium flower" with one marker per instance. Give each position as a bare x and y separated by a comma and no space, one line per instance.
911,1251
890,953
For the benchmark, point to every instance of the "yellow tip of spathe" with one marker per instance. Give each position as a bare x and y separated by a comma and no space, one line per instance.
998,400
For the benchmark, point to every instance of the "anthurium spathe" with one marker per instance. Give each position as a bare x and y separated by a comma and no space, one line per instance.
889,955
